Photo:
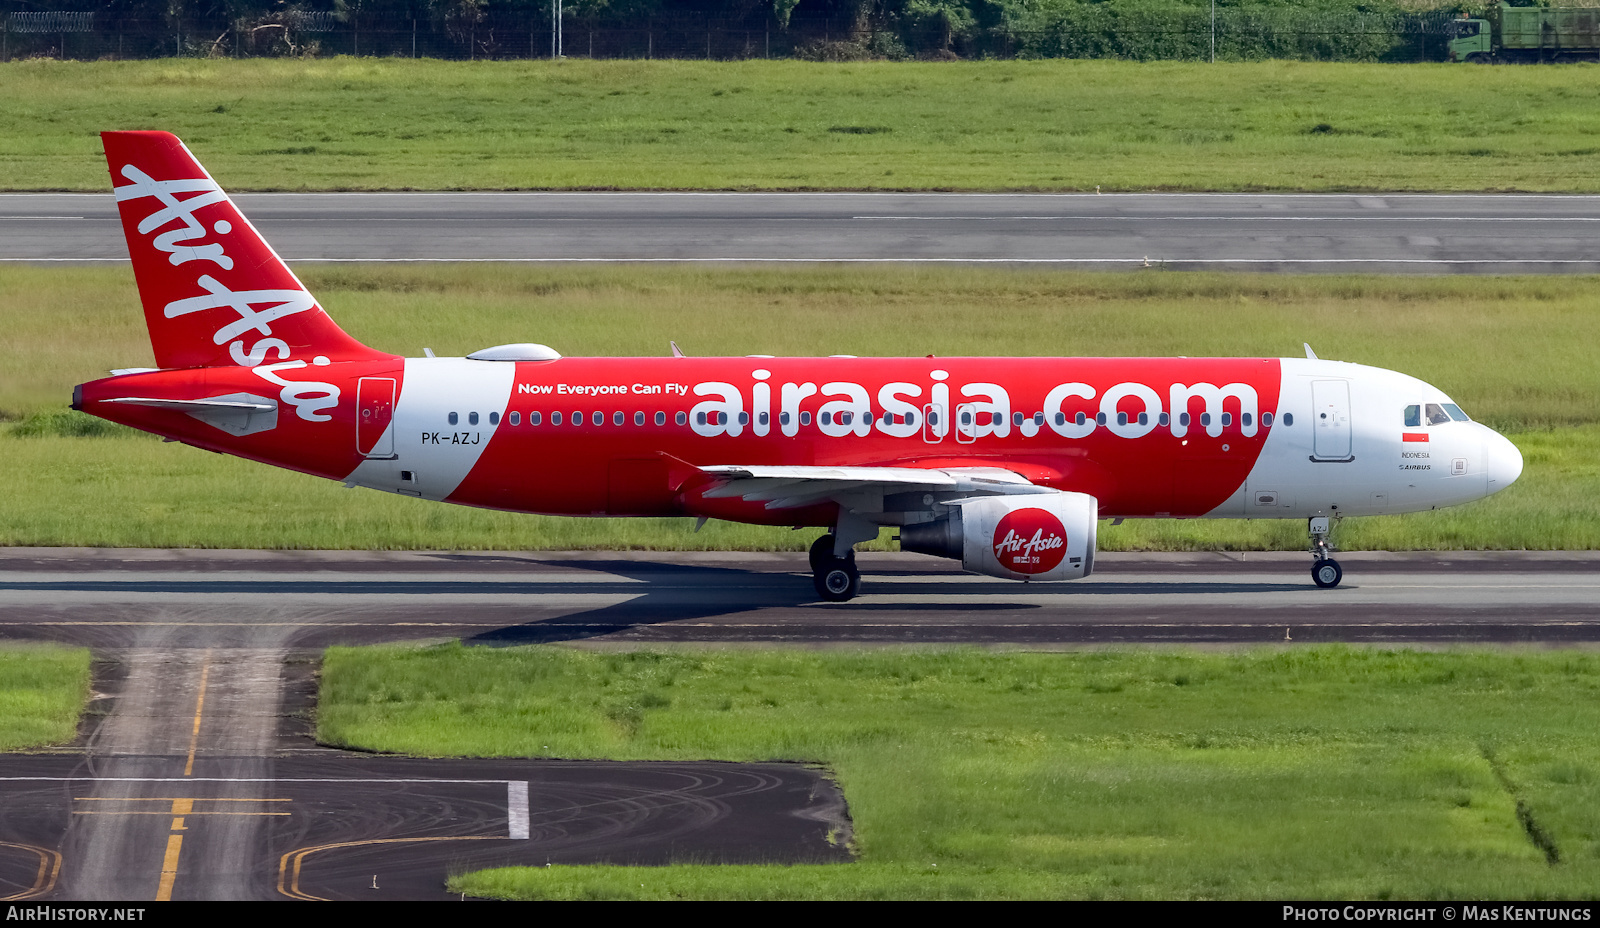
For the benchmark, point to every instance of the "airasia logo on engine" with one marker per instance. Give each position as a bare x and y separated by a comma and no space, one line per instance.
1030,541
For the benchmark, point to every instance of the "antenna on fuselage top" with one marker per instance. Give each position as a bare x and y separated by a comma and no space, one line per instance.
1311,355
676,351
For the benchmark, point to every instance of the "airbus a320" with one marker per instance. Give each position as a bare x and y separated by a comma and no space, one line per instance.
1005,464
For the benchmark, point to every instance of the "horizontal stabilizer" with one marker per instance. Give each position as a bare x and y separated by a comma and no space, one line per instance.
235,413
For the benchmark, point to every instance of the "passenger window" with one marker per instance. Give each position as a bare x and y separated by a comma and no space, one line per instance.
1437,415
783,418
765,419
1456,413
1266,419
577,418
1183,419
681,418
1038,418
911,418
472,418
1016,418
1227,419
1205,418
638,418
534,418
599,418
1288,418
744,418
454,418
1100,418
1144,418
1080,419
1413,417
1244,420
616,417
1122,418
661,418
494,418
516,419
1165,419
805,418
699,418
555,418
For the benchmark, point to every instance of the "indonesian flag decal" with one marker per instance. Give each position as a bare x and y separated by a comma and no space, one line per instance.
1414,436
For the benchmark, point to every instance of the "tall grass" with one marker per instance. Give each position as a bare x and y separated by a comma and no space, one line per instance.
1028,125
1516,352
1294,773
131,492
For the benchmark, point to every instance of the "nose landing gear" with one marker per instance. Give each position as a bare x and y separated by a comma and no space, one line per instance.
1325,571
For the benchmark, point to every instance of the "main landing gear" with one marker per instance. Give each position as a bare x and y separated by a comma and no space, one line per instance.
836,578
1325,571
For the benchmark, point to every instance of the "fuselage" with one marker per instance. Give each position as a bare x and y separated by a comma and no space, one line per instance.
1147,437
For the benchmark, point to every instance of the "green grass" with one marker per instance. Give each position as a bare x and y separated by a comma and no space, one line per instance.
1516,352
1025,125
1323,772
134,492
43,690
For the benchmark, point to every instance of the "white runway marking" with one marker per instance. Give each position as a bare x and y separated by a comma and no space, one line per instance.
517,809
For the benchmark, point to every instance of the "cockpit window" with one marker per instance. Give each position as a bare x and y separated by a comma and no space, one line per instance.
1437,415
1413,417
1456,413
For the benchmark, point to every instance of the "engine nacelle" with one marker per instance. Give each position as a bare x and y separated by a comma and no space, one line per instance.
1048,536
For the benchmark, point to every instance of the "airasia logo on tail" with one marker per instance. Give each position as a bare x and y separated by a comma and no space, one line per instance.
1029,541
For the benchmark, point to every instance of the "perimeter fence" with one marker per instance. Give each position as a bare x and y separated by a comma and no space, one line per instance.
1088,32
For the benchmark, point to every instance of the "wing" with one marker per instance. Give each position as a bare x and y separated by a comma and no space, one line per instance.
868,491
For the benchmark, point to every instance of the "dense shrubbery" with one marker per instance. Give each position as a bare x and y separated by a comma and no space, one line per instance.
817,29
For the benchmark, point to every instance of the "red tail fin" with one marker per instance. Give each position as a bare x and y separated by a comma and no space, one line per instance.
214,292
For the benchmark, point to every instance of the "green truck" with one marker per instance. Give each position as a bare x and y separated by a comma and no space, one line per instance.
1527,34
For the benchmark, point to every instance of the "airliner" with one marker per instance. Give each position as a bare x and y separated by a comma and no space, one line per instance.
1005,464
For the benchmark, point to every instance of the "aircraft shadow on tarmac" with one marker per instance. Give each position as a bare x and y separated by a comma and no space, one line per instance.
718,592
776,605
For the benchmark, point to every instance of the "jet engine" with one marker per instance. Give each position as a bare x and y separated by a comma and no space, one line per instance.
1048,536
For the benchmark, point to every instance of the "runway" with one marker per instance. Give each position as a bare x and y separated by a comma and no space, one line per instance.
197,777
1394,233
287,599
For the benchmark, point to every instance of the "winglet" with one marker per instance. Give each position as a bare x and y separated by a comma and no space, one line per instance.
1311,355
676,351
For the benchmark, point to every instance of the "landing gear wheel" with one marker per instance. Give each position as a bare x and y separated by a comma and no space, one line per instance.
1327,573
821,552
837,579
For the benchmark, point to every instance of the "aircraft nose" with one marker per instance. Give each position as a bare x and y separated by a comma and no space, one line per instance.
1502,461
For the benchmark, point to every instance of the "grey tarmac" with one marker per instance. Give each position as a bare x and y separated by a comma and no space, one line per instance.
282,599
197,778
1392,233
